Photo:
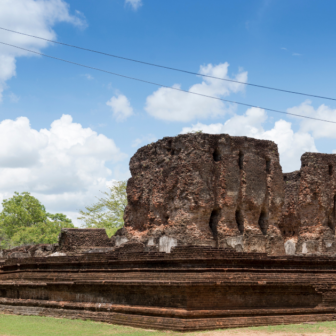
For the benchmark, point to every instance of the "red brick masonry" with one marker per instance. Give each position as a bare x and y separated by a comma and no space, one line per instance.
192,288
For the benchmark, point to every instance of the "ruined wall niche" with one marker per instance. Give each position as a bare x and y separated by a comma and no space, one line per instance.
240,221
268,166
331,225
170,149
332,220
241,160
166,217
263,222
216,155
214,218
331,170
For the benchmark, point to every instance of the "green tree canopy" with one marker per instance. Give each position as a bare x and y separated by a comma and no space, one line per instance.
24,220
108,212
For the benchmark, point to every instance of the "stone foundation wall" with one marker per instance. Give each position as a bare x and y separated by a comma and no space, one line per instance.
191,288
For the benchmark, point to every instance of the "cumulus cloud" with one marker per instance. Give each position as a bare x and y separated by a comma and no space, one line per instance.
317,128
172,105
63,166
135,4
121,107
291,144
35,17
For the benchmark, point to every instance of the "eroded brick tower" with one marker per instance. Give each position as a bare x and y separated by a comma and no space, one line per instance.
202,189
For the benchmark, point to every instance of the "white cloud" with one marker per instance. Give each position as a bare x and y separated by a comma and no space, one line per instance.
121,107
35,17
172,105
136,4
291,144
63,166
319,129
149,138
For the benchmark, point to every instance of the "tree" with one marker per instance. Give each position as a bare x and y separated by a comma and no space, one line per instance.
108,212
24,220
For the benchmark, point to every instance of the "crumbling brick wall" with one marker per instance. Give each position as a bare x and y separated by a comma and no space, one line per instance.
309,210
77,239
202,189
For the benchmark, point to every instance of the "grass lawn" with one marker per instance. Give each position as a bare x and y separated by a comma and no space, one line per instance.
12,325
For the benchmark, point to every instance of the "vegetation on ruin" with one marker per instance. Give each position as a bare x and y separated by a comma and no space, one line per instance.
24,220
108,211
12,325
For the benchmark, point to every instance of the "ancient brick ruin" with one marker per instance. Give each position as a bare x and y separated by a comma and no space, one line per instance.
215,236
309,213
230,192
207,190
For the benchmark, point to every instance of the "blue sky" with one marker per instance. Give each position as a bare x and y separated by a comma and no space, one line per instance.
65,161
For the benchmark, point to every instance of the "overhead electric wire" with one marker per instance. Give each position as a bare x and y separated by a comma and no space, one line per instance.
170,68
165,86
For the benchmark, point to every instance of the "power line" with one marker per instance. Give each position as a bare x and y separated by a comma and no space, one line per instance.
165,86
170,68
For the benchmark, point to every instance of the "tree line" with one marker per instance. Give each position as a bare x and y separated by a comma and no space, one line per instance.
24,220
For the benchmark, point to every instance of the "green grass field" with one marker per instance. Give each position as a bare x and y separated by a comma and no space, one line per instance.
11,325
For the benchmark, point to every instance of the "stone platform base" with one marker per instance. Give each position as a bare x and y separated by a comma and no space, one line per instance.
168,319
187,290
